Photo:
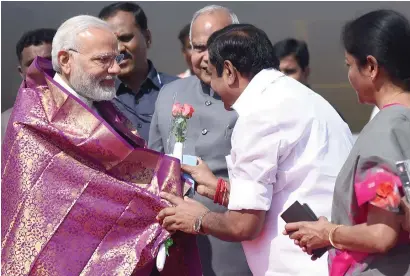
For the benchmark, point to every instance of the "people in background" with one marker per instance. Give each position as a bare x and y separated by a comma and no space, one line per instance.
140,82
294,59
293,55
32,44
186,50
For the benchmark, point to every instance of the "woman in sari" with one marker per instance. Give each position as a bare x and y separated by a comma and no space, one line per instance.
366,236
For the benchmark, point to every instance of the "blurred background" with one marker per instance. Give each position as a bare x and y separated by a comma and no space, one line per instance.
318,23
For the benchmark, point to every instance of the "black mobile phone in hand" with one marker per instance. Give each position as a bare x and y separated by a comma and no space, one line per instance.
404,173
298,212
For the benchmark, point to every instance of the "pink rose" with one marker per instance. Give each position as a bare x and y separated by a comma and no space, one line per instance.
187,111
176,109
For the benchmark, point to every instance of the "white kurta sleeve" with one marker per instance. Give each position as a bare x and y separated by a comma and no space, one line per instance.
259,142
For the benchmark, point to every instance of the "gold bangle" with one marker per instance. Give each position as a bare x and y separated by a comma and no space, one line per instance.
331,236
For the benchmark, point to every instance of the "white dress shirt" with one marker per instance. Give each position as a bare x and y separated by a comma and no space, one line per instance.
374,112
288,144
185,74
5,117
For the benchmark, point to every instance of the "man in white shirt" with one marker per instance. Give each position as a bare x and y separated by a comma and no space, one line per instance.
288,144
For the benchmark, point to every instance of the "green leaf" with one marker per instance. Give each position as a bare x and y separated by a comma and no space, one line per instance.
168,243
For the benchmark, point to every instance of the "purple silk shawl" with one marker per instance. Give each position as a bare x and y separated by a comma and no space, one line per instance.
77,197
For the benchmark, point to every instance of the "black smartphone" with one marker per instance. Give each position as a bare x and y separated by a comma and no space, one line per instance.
404,173
298,212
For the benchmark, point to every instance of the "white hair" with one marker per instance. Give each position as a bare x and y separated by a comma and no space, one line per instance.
210,9
66,35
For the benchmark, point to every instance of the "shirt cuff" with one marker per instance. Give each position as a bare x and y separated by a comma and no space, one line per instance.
249,195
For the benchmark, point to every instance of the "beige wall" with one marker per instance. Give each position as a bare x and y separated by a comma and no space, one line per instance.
319,23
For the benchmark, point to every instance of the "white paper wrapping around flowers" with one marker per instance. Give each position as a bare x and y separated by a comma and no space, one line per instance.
162,254
178,151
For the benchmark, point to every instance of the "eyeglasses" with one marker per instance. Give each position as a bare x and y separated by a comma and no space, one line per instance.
106,60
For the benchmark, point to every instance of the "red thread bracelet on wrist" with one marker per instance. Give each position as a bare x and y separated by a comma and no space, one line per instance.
219,194
223,197
222,193
218,190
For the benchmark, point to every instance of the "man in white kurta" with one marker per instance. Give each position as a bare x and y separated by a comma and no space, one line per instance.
288,144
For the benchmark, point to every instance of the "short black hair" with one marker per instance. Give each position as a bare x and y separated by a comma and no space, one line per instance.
34,37
139,16
184,34
384,34
247,47
291,46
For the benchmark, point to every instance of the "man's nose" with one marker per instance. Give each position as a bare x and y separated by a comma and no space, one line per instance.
121,47
114,69
205,57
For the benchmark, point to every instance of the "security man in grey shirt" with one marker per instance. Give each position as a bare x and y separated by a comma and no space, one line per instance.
208,133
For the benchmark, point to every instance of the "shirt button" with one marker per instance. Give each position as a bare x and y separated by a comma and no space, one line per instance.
208,103
204,131
139,125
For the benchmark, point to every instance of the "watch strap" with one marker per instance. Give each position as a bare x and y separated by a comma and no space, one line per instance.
198,222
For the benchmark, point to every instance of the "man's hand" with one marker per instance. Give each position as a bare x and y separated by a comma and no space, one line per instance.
182,217
406,221
206,181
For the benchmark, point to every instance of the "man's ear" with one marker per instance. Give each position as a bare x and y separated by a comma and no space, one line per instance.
63,58
148,38
229,72
307,72
20,71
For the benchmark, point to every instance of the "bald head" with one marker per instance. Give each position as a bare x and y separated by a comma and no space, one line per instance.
204,23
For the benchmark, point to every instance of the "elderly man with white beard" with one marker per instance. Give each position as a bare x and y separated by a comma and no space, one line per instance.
86,59
79,191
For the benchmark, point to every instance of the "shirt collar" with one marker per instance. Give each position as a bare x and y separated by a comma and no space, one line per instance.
207,89
153,75
185,74
62,82
256,87
153,78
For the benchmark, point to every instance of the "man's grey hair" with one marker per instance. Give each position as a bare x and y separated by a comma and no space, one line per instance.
66,35
210,9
